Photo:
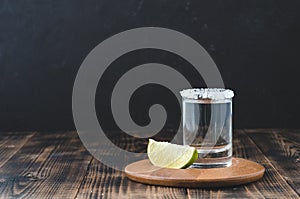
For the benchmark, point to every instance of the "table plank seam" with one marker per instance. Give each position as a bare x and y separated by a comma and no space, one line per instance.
46,165
84,177
270,162
29,137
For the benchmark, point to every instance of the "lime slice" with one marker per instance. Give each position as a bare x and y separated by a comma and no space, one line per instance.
164,154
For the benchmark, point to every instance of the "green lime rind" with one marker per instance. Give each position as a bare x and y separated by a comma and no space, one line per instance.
194,158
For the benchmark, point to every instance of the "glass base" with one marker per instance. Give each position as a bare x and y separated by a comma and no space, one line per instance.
206,163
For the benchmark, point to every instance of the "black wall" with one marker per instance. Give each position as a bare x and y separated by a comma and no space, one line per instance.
255,44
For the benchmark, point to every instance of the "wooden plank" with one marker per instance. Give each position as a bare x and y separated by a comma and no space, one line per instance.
48,166
104,182
54,166
282,147
228,192
270,130
10,143
261,130
272,185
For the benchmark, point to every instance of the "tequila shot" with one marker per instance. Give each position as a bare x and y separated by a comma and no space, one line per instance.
207,125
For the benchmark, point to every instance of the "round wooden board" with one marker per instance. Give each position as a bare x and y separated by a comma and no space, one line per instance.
242,171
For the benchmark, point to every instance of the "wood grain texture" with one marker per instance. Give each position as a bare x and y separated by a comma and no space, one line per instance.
10,143
102,181
56,165
240,172
272,185
282,147
49,166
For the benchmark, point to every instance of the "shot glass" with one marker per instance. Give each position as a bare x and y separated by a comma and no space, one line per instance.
207,125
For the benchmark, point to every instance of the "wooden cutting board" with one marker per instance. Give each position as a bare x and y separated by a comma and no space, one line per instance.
242,171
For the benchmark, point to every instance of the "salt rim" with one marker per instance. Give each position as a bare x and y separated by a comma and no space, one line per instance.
207,93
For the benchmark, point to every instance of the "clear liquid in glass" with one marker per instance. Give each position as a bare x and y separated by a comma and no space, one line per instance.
207,126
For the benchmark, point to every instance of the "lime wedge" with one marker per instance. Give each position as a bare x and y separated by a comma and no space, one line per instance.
164,154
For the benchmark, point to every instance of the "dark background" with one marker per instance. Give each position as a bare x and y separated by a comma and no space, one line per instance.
255,45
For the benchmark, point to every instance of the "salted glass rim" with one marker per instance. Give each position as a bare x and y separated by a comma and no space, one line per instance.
207,93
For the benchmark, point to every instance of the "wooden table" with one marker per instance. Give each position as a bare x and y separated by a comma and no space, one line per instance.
56,165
